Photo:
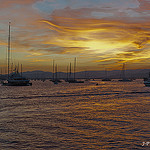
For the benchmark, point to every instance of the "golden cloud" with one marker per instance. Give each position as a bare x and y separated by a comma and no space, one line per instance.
76,32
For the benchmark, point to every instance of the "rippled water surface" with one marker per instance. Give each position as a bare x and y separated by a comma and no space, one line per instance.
110,115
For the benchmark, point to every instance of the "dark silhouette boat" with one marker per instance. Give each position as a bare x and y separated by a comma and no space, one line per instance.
15,78
124,79
73,80
106,77
55,79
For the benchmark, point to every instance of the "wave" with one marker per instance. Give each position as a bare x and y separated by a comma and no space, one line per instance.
73,95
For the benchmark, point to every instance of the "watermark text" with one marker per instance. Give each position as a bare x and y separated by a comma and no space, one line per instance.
145,143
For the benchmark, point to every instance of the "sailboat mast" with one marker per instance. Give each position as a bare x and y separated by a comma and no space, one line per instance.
18,68
53,69
74,68
70,72
67,72
21,70
56,72
11,67
123,71
8,50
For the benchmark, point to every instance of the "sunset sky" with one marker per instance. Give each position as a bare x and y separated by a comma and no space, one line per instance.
99,33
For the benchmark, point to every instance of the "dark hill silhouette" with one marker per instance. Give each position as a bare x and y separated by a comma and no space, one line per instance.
114,74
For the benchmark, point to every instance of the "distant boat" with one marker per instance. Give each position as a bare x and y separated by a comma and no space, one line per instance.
106,77
124,79
147,81
15,78
55,79
73,80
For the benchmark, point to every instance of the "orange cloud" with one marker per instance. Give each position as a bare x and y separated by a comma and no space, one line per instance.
78,32
96,31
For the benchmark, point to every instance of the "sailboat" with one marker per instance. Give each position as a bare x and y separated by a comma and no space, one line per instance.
55,79
147,81
106,77
124,79
15,78
73,80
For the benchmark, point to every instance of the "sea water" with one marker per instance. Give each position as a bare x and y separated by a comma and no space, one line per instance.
71,116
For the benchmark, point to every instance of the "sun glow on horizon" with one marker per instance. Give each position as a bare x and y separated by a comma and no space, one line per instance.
106,34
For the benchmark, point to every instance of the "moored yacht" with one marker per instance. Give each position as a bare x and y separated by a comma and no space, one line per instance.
124,79
55,79
73,80
106,76
14,78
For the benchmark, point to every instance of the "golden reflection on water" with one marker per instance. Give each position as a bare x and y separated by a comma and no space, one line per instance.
111,115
